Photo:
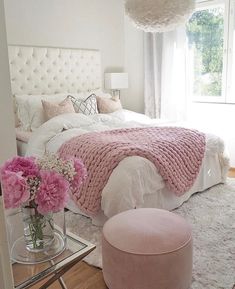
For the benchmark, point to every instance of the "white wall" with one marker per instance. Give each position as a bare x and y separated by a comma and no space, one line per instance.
8,143
133,98
218,119
95,24
7,148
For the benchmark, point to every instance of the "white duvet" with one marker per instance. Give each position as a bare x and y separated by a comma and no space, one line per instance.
135,182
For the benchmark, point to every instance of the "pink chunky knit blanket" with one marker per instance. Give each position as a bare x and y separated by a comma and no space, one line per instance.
177,154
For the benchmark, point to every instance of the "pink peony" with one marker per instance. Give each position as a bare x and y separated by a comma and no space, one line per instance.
53,192
81,174
26,165
15,190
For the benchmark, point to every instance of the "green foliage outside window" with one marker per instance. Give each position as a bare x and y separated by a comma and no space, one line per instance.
205,32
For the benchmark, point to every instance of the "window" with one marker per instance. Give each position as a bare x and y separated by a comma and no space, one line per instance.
211,40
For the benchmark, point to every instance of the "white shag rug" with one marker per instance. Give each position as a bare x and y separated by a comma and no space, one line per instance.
212,216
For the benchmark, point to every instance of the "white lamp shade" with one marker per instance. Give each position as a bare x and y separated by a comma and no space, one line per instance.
116,80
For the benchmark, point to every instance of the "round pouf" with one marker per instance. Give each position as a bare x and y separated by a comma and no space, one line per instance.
147,249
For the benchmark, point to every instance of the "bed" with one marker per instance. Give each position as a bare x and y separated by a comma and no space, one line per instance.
135,182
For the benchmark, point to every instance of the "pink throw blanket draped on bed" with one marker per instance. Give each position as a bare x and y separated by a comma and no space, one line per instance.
177,154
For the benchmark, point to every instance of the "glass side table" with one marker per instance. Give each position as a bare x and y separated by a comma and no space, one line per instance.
27,275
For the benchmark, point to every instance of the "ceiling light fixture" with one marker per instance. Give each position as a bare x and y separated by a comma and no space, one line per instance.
158,15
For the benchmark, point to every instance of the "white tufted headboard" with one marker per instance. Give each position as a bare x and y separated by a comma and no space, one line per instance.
43,70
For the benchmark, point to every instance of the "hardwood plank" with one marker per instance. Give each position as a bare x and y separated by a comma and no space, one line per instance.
81,276
231,173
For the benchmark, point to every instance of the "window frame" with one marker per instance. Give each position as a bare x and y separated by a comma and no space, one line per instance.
230,98
229,30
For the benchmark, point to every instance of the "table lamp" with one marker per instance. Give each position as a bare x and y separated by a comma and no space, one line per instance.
115,82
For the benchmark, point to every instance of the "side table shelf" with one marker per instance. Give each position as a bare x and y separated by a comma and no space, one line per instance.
26,276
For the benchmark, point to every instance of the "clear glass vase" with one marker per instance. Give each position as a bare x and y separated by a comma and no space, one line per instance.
38,229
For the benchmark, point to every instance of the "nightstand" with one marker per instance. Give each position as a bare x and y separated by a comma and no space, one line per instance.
27,275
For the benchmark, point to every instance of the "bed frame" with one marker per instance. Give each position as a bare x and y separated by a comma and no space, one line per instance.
47,70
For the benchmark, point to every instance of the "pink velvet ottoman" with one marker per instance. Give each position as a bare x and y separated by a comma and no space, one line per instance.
147,249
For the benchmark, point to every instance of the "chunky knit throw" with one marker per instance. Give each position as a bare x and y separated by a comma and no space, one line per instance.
176,152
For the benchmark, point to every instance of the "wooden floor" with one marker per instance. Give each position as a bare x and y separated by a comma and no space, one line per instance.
231,173
83,276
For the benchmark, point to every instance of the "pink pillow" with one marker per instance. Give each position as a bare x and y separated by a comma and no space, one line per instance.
108,105
51,109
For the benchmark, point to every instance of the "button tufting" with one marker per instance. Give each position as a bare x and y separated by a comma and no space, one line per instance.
67,70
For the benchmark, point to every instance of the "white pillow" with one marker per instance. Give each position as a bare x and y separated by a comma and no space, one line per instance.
30,111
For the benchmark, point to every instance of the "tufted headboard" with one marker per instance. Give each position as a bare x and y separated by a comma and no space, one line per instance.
43,70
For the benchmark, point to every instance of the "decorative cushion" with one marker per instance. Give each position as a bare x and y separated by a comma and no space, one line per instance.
29,109
108,105
51,109
86,106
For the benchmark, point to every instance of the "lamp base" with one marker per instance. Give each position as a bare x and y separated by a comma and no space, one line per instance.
116,92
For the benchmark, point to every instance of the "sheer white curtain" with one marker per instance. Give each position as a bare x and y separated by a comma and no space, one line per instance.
165,74
152,74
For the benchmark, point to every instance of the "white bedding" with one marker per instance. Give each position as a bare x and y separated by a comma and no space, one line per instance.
22,138
135,182
21,147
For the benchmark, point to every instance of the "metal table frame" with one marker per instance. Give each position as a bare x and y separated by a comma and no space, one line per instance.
58,269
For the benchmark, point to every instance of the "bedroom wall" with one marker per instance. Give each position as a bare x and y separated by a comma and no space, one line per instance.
7,147
95,24
8,144
133,98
